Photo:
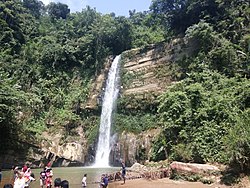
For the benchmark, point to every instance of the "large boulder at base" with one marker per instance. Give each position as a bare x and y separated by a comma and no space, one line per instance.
138,168
194,168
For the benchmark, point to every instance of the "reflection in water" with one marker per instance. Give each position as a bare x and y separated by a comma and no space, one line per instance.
72,174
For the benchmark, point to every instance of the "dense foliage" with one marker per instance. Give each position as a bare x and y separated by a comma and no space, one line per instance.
205,115
198,113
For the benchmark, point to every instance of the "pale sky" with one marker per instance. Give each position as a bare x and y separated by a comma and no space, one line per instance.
119,7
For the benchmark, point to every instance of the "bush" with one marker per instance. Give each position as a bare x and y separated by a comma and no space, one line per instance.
199,112
237,142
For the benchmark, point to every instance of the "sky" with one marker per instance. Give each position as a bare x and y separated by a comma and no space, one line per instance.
119,7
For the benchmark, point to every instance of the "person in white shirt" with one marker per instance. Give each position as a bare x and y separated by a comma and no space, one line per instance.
29,177
84,180
20,180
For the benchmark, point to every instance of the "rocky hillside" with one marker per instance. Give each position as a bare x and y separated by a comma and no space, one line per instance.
146,73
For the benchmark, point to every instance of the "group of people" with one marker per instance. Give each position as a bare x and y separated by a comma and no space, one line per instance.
46,176
58,183
103,184
104,178
46,179
22,177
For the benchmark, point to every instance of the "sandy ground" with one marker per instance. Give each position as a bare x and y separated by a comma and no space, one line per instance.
163,183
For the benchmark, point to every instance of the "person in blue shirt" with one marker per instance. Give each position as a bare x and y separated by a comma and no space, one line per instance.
105,181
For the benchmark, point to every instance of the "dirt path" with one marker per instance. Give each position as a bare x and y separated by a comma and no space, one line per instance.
163,183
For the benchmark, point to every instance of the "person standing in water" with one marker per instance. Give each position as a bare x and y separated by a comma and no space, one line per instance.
84,181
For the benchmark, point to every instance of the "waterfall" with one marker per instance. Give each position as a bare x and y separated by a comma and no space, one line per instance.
109,102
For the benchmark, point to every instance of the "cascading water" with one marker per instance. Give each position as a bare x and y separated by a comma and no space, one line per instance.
109,101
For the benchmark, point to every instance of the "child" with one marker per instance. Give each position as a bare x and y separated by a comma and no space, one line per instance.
84,180
42,178
49,175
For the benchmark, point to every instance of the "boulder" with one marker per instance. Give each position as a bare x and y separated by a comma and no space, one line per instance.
193,168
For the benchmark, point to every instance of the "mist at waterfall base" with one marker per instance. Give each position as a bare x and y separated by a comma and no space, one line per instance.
108,106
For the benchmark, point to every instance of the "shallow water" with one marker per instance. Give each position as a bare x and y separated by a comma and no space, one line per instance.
72,174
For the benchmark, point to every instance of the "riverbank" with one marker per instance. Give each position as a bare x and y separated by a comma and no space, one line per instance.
163,183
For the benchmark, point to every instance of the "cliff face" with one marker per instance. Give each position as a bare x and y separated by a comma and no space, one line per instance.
146,70
137,147
54,148
65,152
145,74
97,87
149,69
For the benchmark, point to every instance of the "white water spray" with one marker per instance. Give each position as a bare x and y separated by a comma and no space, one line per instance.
109,101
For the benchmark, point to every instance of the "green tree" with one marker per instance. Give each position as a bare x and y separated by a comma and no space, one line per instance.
12,36
145,29
35,7
171,13
58,10
10,101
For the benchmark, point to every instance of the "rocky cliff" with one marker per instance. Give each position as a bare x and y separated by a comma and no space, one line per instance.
149,69
146,73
